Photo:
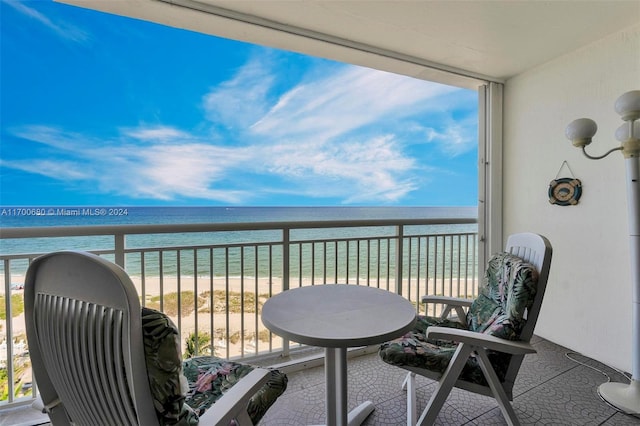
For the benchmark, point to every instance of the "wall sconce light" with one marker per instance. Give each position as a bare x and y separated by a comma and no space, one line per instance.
580,132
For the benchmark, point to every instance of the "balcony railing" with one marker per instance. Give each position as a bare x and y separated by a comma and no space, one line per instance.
212,279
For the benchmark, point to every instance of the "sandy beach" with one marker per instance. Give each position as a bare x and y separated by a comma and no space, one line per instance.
238,334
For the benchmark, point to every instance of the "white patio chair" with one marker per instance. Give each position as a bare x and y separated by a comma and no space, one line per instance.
87,337
482,349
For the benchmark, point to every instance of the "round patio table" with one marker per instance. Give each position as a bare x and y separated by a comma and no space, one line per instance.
336,317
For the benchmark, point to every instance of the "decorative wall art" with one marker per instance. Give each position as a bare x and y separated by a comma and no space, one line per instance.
565,191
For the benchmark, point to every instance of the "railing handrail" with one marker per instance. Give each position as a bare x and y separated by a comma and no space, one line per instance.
86,230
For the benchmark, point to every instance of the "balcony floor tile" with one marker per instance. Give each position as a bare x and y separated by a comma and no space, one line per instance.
552,388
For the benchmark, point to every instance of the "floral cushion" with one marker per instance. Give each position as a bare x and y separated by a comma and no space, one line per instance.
507,291
209,377
184,390
164,369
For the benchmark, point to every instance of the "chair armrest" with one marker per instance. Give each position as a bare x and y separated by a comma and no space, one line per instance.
480,339
452,301
234,402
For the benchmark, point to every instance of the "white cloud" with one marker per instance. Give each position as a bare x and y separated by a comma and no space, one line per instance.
164,170
311,138
53,137
366,171
191,171
157,133
455,138
61,170
243,99
344,101
312,132
308,135
62,29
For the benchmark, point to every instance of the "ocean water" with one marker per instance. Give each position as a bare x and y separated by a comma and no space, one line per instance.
172,260
80,216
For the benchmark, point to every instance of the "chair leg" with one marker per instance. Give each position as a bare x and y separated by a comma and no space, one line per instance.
496,387
445,384
412,410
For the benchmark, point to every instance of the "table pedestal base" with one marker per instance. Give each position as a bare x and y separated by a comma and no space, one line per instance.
335,371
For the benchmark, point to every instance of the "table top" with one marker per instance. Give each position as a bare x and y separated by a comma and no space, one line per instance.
338,315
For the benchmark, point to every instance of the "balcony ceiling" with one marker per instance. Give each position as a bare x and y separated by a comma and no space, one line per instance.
487,40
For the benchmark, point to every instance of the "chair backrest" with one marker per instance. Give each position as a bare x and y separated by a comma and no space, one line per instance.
536,250
85,339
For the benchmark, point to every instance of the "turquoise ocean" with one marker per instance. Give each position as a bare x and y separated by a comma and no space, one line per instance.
55,216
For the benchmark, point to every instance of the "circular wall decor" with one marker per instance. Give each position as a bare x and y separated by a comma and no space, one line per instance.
565,191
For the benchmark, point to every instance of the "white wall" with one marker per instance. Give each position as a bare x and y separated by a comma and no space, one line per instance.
587,307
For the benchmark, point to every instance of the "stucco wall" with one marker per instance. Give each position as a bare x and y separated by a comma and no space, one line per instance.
587,307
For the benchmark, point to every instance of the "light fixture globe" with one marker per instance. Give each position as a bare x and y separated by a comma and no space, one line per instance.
623,133
580,131
628,105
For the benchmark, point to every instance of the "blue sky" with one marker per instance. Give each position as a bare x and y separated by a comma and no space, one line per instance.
101,110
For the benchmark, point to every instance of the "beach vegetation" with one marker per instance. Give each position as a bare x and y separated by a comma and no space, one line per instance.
264,336
234,338
197,344
19,388
17,306
170,303
238,302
